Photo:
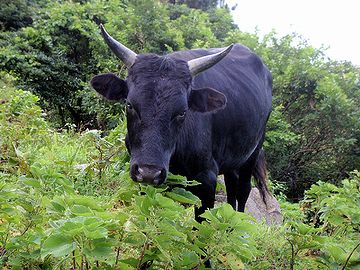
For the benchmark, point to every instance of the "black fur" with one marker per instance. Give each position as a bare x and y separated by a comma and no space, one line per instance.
221,131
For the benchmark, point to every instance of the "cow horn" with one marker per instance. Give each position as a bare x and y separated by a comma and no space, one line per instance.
122,52
200,64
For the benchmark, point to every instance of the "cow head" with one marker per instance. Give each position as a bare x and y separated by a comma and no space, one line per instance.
158,94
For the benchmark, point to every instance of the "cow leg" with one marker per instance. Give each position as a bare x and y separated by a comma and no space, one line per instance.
231,184
244,187
244,182
205,191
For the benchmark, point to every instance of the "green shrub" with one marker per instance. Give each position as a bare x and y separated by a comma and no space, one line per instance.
335,208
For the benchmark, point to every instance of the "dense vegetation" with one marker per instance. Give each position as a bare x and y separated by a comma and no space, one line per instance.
65,197
66,202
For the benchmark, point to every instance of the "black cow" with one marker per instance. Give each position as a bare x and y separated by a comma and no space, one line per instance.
192,119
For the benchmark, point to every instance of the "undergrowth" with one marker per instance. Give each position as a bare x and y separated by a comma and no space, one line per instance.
66,202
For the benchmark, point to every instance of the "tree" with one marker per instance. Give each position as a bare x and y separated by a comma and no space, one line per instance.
318,98
15,14
197,4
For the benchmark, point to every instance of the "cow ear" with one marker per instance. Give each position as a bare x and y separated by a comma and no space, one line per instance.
206,100
110,86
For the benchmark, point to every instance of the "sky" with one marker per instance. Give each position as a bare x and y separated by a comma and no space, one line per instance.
332,23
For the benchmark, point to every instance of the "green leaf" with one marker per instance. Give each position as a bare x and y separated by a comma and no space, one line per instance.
101,250
57,245
126,195
151,191
97,233
131,262
57,207
122,217
134,238
338,253
233,262
125,266
89,202
210,215
71,228
176,180
167,202
171,231
81,210
304,228
226,211
144,203
183,196
189,259
32,182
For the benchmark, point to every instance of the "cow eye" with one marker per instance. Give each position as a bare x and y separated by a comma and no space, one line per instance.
181,116
130,109
128,105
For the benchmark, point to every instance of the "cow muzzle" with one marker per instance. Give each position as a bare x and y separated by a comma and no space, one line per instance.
149,174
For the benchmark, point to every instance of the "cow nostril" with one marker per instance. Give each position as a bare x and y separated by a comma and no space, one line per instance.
156,179
137,172
140,170
160,177
156,174
149,174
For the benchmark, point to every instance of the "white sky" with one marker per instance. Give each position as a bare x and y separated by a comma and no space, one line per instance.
332,23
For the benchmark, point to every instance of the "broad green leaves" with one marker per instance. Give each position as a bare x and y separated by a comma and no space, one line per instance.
338,211
66,200
183,196
58,246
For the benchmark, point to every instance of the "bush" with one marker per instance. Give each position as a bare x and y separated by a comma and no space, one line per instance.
315,110
16,14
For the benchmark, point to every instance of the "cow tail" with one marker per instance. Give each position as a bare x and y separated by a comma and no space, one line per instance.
260,175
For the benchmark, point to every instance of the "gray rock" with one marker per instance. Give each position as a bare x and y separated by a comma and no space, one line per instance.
270,212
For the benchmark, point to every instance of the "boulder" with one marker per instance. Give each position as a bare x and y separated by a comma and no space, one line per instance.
270,212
